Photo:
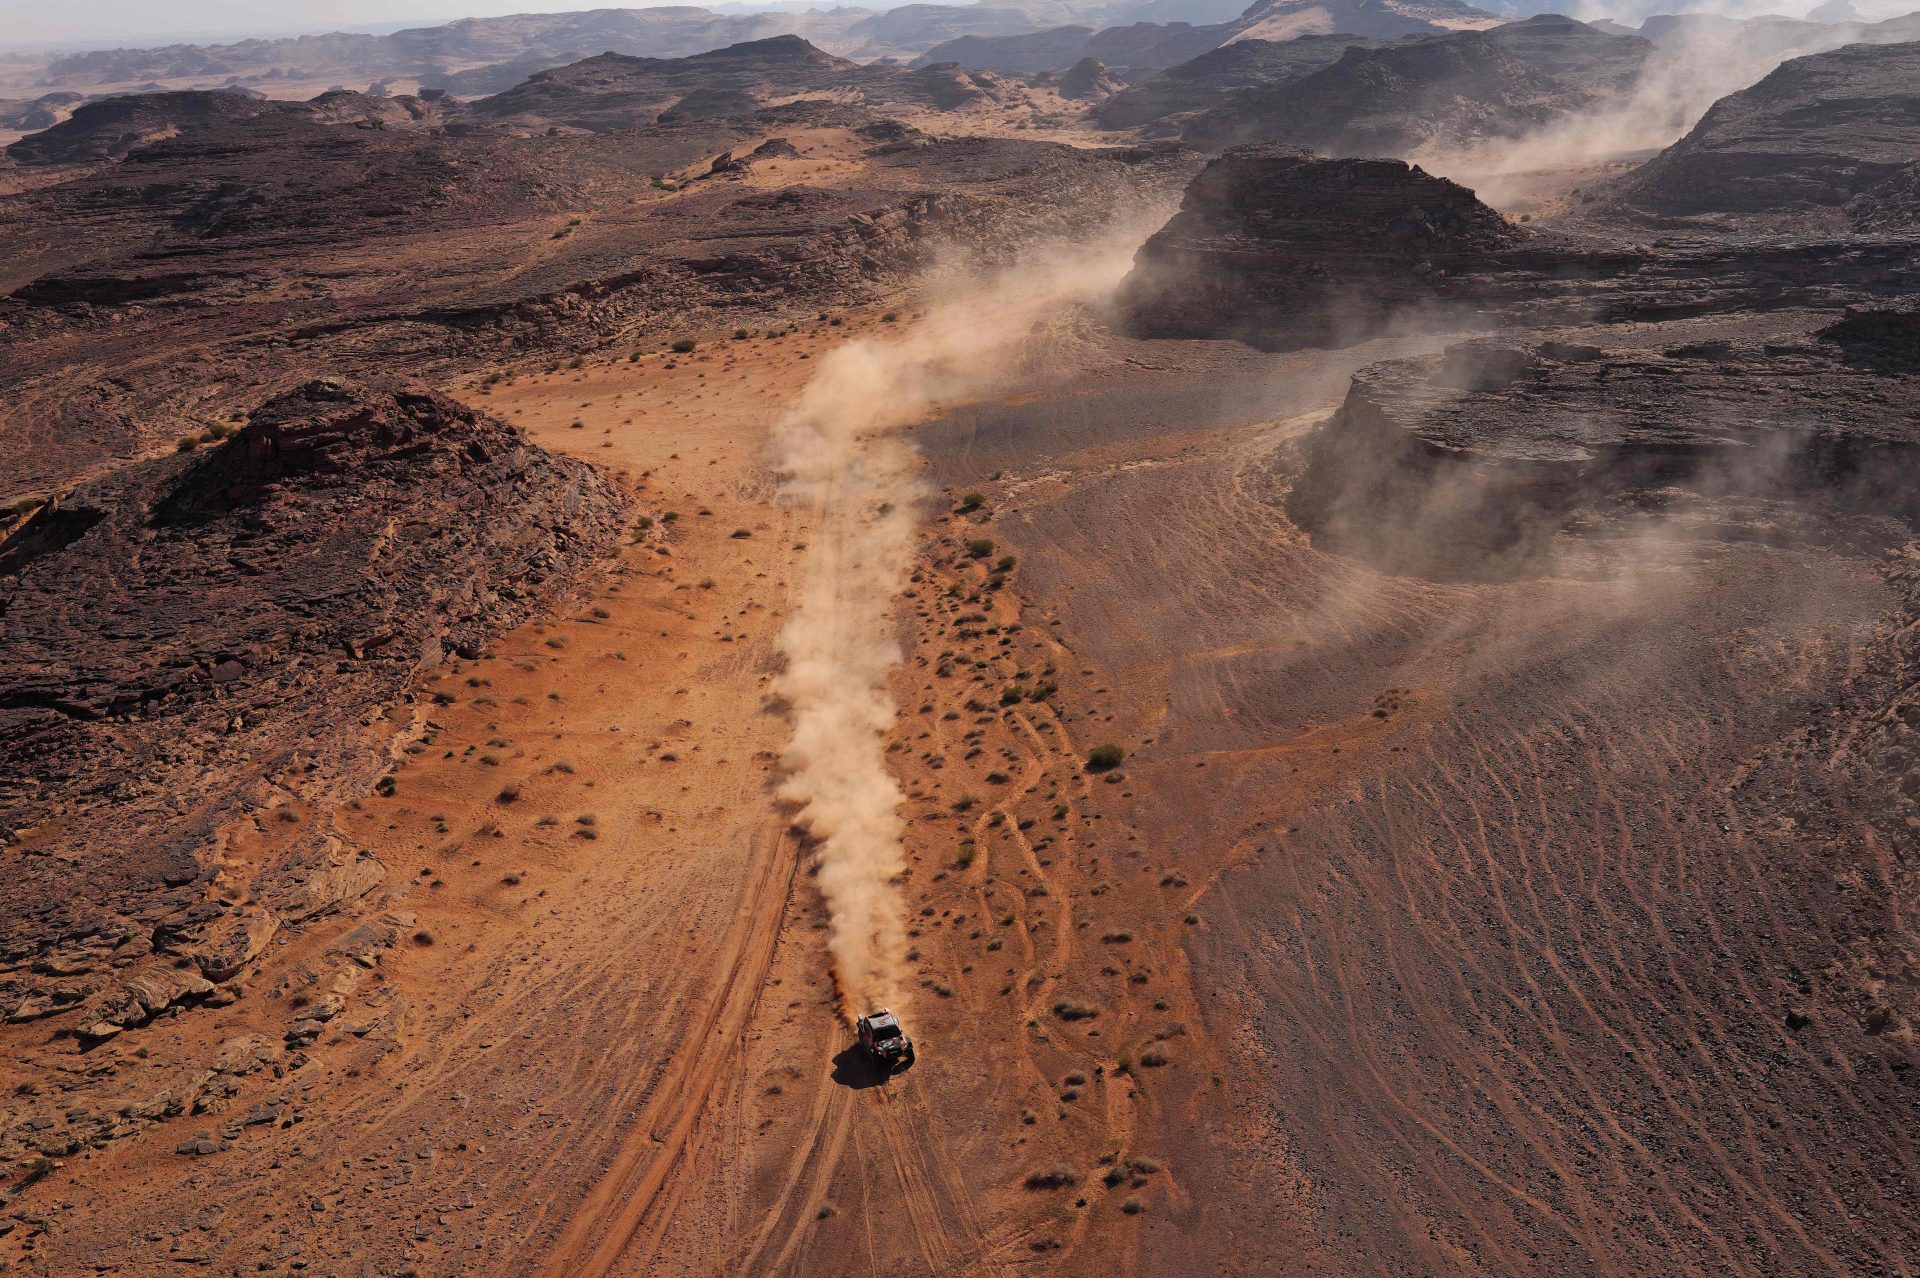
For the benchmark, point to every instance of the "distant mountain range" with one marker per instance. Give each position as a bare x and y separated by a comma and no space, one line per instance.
486,55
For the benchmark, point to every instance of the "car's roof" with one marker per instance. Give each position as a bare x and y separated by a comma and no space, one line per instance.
881,1017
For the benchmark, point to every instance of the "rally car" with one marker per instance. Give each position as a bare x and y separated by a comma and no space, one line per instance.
884,1042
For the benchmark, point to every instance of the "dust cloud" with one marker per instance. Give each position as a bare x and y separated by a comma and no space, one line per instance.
1692,65
856,482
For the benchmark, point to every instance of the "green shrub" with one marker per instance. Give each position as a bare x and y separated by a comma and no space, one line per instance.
1105,758
980,547
972,502
682,346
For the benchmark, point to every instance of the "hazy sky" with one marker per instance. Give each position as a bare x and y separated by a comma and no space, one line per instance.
97,23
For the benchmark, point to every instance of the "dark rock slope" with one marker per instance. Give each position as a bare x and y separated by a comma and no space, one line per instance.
1815,134
1444,91
614,91
198,640
348,233
1208,80
1272,239
1472,463
1280,248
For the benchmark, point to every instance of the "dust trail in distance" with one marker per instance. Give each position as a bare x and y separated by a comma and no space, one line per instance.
856,482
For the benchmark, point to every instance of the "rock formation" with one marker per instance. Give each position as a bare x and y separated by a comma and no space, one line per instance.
1815,134
1443,91
1273,240
195,641
1473,463
1279,248
1088,80
1208,80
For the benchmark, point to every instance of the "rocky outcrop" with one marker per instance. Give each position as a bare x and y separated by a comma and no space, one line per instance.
205,638
614,91
1445,91
1379,19
1474,463
1051,50
1141,49
1279,248
1817,133
1208,80
1271,240
1894,205
1088,80
110,128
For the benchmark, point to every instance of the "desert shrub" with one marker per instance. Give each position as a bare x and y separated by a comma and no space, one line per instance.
979,547
971,502
1058,1176
683,345
1105,758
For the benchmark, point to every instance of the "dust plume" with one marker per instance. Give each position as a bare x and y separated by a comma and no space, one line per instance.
1695,61
857,483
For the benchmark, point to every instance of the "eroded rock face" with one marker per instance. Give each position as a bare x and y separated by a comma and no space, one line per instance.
1894,205
1206,81
1816,133
1473,463
213,635
1088,80
1464,87
1273,240
1281,249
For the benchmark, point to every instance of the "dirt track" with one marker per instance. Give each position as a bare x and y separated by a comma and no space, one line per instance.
1384,951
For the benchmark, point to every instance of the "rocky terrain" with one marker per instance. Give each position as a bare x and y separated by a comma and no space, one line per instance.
1400,703
487,55
1204,82
243,227
617,92
1143,49
1480,459
204,647
1279,247
1812,136
1445,91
